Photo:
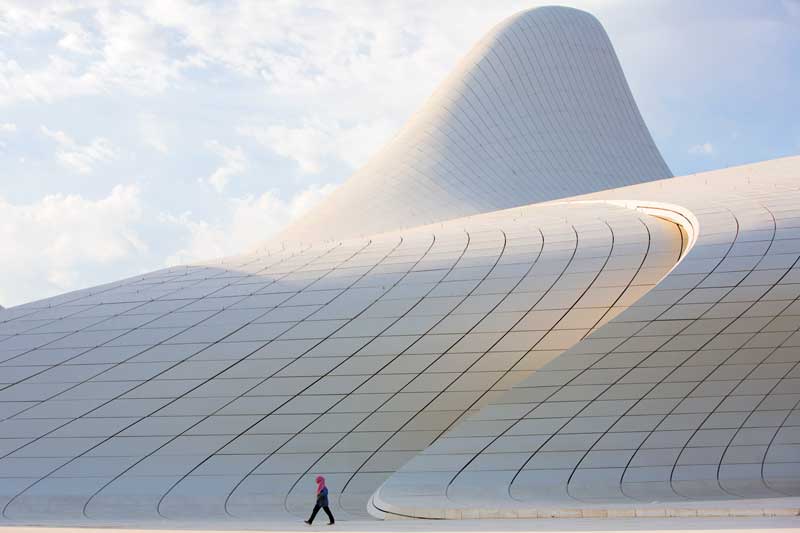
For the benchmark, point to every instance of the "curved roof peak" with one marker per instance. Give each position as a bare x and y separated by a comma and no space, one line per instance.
538,110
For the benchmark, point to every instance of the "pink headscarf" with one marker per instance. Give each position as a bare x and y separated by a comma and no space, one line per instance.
320,483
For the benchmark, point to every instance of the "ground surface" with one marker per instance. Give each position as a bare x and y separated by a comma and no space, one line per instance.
740,525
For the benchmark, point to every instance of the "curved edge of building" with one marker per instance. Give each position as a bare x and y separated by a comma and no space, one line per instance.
685,404
585,356
539,109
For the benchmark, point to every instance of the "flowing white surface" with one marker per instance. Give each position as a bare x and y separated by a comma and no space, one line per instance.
539,109
631,352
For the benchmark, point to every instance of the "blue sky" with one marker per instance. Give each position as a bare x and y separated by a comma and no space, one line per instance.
135,135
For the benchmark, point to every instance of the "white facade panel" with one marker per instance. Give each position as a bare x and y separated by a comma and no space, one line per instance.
506,313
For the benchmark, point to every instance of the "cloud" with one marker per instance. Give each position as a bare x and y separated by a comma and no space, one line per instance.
136,55
250,221
76,40
355,145
99,48
702,149
317,142
153,132
80,157
290,48
234,163
62,242
7,127
305,145
57,79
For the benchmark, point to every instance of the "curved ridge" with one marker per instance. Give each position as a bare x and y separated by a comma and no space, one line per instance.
670,409
538,110
585,356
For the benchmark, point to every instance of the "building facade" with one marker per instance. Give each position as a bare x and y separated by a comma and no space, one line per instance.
513,310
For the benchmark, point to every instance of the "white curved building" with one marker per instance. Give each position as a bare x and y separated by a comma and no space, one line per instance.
539,109
513,310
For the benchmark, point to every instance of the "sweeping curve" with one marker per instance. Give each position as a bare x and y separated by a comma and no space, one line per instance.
685,404
539,109
513,310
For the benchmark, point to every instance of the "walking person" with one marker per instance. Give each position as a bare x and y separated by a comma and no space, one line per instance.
322,502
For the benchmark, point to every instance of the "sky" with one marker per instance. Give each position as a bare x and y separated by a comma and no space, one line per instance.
141,134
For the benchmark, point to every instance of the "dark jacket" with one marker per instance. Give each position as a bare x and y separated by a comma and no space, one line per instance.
322,497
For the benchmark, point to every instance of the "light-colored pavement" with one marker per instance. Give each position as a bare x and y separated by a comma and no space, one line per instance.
652,525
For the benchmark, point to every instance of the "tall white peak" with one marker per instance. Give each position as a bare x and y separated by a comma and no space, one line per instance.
538,110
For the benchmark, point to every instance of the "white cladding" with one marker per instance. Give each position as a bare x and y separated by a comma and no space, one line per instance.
630,351
539,109
685,404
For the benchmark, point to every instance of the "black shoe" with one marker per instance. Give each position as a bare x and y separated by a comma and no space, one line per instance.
331,523
308,522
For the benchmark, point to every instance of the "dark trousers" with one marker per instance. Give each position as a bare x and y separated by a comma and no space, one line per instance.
316,510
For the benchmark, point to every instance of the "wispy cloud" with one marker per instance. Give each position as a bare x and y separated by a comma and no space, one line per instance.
67,241
317,142
120,49
80,157
59,242
307,146
153,132
705,148
250,221
234,163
